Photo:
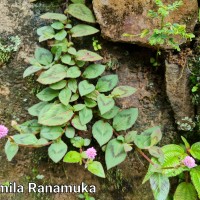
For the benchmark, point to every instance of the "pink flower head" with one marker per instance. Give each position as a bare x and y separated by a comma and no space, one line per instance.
189,162
91,153
3,131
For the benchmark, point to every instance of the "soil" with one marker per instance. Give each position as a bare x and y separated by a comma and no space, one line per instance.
130,62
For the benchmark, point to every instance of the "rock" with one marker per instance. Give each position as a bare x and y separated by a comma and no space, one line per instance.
128,16
178,92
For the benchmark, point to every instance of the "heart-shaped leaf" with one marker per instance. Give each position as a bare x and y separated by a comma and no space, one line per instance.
102,132
43,56
107,83
54,115
96,168
47,94
85,88
115,153
85,115
73,72
11,150
72,85
125,119
55,74
105,103
51,133
93,71
65,95
57,150
77,124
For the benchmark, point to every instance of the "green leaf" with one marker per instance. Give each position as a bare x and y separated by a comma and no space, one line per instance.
85,88
35,109
78,107
93,95
45,33
185,191
107,83
160,186
47,94
77,124
115,153
29,127
77,142
123,91
87,142
90,103
55,74
72,85
85,115
72,157
195,150
187,145
83,30
173,156
70,132
148,138
96,168
195,176
102,132
105,103
25,139
111,113
43,56
85,55
57,150
55,16
125,119
93,71
60,35
74,97
65,95
157,153
54,115
66,59
31,70
57,25
81,12
129,137
127,147
80,63
72,51
51,133
59,85
73,72
11,149
78,1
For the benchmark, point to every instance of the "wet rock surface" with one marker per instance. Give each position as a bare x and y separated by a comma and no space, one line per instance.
130,16
17,94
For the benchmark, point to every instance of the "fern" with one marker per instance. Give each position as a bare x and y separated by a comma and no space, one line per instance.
185,191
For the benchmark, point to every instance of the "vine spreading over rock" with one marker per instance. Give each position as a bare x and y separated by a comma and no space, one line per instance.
77,106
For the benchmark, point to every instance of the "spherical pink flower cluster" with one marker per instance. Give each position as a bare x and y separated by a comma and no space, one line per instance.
189,162
3,131
91,153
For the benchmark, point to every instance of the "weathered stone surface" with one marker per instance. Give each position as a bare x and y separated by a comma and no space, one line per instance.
130,16
178,92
